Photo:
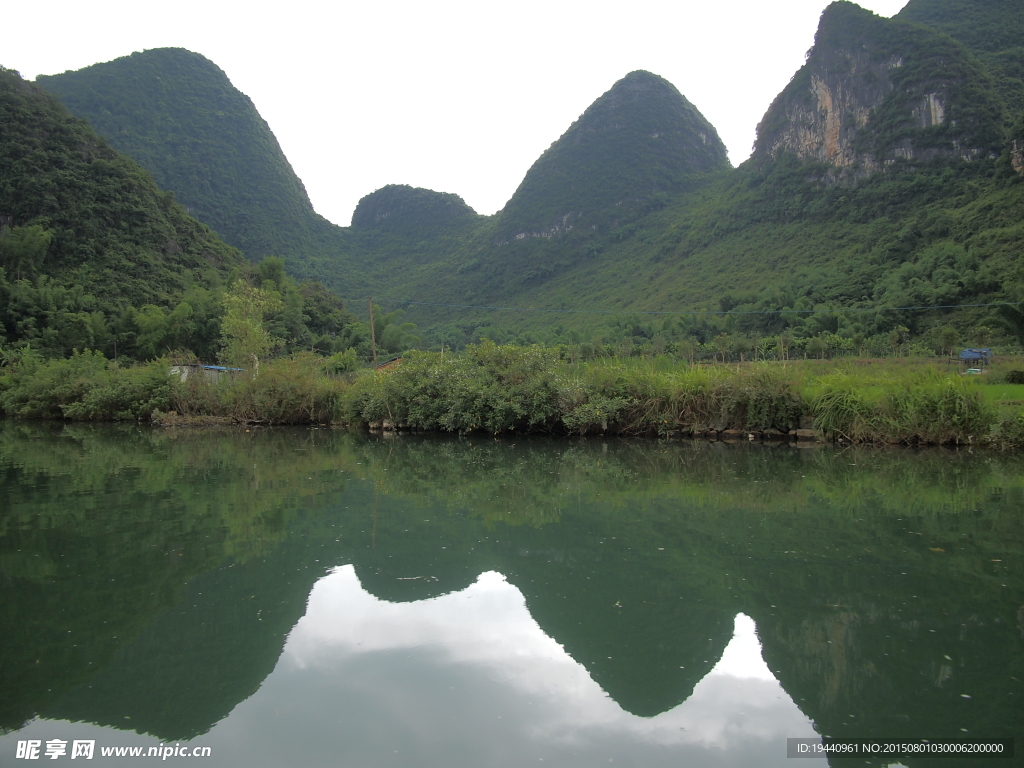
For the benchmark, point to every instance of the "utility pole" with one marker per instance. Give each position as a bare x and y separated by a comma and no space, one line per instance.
373,335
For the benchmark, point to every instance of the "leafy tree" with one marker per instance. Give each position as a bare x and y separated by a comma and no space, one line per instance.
948,338
245,338
271,272
153,329
393,336
817,346
23,249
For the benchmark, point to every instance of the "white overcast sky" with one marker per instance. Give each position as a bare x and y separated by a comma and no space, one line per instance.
450,95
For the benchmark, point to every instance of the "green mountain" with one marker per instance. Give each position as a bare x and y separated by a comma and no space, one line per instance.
882,177
410,211
875,92
633,151
885,175
93,255
638,143
177,114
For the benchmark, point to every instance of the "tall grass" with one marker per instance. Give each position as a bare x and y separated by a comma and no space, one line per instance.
503,388
294,390
917,407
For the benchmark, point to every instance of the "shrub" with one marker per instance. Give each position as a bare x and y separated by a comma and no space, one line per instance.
1009,433
85,386
287,391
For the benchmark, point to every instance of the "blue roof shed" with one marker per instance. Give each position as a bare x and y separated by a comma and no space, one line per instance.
976,355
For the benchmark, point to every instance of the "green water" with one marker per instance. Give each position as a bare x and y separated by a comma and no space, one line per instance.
314,597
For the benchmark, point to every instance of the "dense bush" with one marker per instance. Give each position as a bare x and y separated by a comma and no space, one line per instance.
497,388
1009,433
85,386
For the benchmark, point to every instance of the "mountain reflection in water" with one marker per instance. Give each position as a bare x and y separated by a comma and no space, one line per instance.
404,673
334,599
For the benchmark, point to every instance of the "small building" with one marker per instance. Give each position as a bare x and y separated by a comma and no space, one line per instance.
975,360
207,372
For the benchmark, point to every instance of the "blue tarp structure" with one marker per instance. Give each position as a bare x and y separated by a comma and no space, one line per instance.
976,355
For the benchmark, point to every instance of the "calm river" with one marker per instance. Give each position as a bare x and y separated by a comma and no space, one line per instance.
320,598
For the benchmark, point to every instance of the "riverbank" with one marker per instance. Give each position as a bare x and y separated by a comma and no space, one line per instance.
506,389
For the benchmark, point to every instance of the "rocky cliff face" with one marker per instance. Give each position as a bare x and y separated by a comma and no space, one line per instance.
1015,146
1017,155
875,92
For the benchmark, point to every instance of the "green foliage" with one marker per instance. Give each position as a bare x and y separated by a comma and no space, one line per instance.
94,256
342,362
490,387
924,408
991,29
84,387
391,335
245,337
87,213
90,236
654,223
497,388
1009,433
501,388
289,391
23,250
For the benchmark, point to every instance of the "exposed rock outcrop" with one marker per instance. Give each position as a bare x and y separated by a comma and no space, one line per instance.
1015,146
1017,155
875,92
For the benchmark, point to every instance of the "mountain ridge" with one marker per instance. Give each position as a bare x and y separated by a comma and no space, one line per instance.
926,212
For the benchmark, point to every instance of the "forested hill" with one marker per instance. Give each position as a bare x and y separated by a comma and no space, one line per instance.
991,29
638,143
85,230
877,92
177,114
93,255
